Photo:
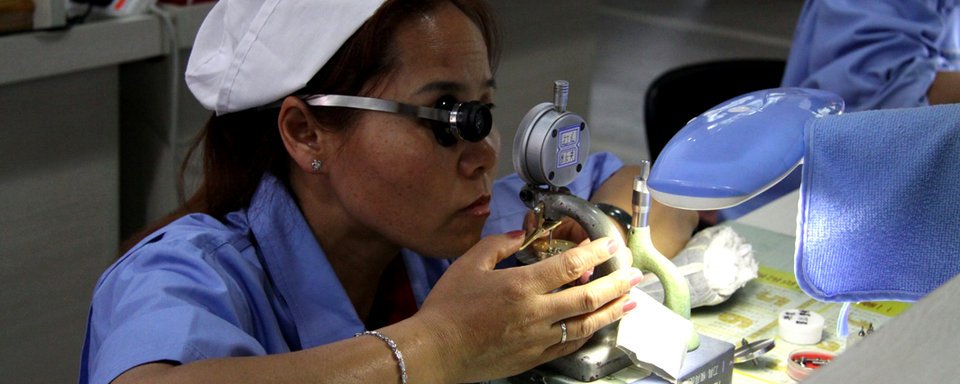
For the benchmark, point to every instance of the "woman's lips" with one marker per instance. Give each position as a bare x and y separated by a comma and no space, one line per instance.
480,207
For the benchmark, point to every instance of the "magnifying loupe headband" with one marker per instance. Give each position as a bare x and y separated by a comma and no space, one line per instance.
470,121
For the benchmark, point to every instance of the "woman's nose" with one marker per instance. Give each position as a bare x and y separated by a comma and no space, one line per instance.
480,157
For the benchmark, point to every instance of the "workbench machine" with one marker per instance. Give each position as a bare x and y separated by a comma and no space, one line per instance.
549,151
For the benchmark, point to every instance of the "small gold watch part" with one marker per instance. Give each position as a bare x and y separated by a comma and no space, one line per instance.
544,227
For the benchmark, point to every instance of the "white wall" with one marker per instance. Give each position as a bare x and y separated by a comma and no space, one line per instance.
59,185
543,42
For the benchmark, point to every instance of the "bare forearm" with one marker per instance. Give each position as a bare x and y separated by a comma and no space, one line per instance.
945,88
364,359
670,228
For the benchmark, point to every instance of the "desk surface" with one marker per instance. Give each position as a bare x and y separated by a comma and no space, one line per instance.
753,311
771,249
918,346
778,216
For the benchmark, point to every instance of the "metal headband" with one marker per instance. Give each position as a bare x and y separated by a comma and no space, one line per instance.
372,104
470,121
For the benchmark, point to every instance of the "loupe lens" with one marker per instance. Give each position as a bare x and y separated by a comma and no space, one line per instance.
474,121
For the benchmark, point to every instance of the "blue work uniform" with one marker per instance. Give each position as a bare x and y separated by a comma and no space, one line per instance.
875,54
256,283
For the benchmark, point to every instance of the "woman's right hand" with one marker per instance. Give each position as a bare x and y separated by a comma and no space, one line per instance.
487,323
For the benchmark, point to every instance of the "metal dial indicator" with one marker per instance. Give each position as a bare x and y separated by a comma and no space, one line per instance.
552,143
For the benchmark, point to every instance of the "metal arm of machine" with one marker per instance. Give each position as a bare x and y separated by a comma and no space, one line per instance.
561,203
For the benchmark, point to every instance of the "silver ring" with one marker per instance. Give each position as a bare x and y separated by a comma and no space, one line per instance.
563,328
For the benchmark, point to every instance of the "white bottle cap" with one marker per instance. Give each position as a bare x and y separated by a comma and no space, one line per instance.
800,326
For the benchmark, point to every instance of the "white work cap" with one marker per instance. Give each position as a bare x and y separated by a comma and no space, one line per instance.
252,52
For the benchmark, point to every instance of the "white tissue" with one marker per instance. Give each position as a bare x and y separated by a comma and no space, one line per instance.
716,262
729,260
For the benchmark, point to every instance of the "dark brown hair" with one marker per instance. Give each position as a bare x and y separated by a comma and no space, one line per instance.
239,147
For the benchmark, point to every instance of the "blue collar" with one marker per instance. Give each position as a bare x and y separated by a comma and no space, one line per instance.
304,278
320,307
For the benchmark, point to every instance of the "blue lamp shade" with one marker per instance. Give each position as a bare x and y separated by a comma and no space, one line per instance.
738,149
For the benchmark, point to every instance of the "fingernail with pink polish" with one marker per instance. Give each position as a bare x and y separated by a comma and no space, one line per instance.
585,278
629,306
613,246
635,277
515,234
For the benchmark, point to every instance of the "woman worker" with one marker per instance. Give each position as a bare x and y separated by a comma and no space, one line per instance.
314,224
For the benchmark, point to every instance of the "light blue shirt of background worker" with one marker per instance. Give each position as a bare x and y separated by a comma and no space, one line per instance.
878,54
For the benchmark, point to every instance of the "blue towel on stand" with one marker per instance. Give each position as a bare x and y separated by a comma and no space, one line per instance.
880,204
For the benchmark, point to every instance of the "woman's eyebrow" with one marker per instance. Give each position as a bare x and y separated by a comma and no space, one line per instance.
452,86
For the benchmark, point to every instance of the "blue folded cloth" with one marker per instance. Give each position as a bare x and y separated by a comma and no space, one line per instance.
880,204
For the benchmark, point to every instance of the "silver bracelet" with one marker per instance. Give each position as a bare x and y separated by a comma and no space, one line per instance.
396,352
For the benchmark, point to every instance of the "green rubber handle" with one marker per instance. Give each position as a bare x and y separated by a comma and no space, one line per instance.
676,293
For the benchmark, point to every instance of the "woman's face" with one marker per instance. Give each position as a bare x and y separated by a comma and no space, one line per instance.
391,175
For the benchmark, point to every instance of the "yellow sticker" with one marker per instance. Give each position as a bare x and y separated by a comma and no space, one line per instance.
778,278
889,308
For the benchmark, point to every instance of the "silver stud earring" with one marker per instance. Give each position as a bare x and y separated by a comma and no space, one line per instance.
316,164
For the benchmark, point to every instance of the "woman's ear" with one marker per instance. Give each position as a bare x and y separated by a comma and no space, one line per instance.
301,135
